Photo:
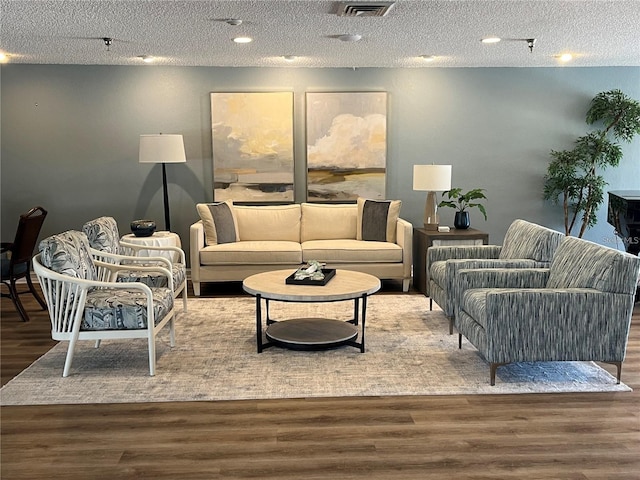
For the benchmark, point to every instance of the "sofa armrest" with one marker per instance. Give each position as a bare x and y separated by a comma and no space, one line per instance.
438,254
557,324
404,238
196,243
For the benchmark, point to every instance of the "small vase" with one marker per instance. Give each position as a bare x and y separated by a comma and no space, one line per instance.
462,220
143,228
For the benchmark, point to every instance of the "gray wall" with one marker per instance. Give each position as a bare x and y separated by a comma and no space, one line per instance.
69,136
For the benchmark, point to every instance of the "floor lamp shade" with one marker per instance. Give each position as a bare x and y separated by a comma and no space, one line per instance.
432,179
159,148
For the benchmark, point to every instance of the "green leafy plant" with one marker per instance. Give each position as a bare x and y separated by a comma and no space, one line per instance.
574,176
462,201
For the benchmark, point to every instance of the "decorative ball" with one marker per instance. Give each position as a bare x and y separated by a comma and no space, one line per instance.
143,228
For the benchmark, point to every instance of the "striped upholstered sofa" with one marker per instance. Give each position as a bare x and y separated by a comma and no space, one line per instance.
526,245
578,309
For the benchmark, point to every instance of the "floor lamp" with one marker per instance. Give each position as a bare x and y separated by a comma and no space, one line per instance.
159,148
431,178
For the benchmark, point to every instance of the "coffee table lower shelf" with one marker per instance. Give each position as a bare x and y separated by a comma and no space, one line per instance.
312,333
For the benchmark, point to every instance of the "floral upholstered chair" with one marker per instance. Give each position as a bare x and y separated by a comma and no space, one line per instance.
578,309
104,240
82,307
526,245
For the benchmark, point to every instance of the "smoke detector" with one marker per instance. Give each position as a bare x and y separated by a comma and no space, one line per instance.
364,9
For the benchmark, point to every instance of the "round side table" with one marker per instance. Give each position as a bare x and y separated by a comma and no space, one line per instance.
158,239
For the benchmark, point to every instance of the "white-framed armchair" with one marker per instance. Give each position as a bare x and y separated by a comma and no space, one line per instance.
106,245
82,307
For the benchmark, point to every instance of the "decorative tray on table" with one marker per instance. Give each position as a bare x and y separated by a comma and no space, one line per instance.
329,273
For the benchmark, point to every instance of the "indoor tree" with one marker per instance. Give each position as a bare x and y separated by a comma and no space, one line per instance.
574,176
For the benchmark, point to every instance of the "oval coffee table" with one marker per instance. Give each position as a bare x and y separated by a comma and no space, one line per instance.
311,333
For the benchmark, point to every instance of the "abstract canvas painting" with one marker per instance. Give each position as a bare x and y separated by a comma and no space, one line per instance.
252,135
346,145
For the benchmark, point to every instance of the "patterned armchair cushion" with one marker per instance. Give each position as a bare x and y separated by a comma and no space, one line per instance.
529,240
118,309
103,234
152,279
68,253
607,270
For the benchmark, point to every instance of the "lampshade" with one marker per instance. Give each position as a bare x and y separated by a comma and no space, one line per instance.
159,148
432,178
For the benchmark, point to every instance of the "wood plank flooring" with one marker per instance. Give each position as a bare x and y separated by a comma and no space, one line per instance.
565,436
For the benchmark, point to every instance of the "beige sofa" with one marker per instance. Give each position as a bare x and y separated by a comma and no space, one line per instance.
286,236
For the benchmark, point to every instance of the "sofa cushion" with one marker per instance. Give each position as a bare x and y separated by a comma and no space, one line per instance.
328,222
259,252
219,220
103,234
68,253
377,220
607,270
351,251
529,240
276,223
116,309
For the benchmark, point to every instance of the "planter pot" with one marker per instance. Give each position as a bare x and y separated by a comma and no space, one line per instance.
462,221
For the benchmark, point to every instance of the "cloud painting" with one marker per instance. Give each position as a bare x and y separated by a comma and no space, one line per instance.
346,145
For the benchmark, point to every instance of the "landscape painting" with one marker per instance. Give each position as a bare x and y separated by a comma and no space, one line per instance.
346,146
252,134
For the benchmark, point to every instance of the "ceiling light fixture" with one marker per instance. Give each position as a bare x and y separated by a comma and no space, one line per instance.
566,57
146,58
428,58
4,57
350,37
289,58
530,43
234,21
243,39
491,40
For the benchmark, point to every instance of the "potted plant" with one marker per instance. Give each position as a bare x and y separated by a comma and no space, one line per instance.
461,202
573,177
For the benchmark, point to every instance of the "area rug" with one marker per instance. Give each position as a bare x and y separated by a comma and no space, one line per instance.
408,352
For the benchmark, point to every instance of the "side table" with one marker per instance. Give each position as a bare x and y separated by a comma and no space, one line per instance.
423,239
158,239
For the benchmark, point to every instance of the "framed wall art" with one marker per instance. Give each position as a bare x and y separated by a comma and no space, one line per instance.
252,135
346,145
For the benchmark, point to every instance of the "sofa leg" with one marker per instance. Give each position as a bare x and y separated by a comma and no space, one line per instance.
450,325
196,288
492,371
405,284
619,368
430,304
460,341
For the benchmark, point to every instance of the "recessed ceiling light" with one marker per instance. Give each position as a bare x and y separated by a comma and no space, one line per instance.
243,39
234,21
350,37
428,58
566,57
289,58
4,57
146,58
491,40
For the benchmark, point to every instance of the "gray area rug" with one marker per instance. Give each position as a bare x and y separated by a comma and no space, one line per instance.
409,352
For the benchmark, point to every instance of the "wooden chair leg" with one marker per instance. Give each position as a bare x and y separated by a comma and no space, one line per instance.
15,298
34,292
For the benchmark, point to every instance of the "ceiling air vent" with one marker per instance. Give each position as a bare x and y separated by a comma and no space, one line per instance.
364,9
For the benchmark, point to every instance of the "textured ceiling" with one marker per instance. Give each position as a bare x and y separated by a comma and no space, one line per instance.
194,33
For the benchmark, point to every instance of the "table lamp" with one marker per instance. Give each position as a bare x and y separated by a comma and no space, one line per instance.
431,178
159,148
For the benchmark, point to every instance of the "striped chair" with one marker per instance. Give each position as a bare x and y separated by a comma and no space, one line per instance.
578,309
526,245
